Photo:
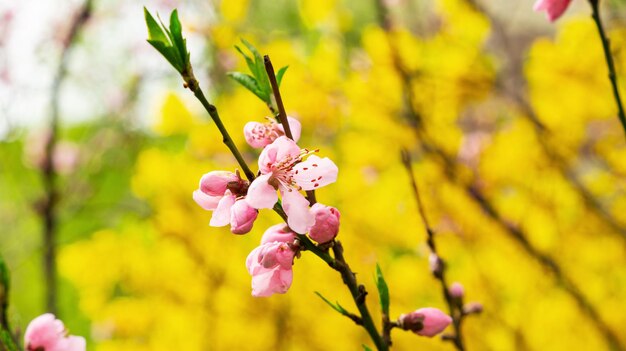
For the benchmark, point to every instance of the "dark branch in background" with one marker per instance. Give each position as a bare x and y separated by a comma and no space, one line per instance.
455,306
475,194
606,46
282,115
543,134
49,203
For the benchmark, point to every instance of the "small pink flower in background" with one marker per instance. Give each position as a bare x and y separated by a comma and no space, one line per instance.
426,321
554,8
224,193
46,333
326,224
271,263
259,135
65,156
283,169
456,290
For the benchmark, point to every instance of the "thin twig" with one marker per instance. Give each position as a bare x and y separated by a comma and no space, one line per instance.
475,194
455,308
606,46
49,204
282,115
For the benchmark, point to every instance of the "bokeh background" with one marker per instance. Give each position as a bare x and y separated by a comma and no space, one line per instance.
510,120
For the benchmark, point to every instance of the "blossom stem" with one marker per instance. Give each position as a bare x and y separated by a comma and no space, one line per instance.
212,110
455,309
282,115
606,46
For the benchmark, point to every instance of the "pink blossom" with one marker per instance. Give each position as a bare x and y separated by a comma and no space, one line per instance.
46,333
259,135
271,263
554,8
456,290
282,168
326,224
224,193
426,321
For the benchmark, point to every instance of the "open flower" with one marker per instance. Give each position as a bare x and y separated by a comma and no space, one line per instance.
46,333
554,8
271,263
282,168
259,135
224,193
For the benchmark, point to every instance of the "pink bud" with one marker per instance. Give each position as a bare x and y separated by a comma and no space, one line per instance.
456,290
280,233
436,265
47,333
326,224
426,321
473,307
554,8
242,217
215,183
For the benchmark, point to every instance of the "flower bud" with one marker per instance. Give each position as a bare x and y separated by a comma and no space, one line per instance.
326,224
242,217
215,183
426,321
456,290
473,308
436,264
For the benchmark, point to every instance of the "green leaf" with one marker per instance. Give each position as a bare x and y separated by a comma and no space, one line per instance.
366,348
249,83
280,74
337,307
169,53
7,341
155,31
179,42
259,72
383,291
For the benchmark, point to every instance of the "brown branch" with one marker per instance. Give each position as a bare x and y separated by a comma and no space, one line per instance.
49,203
451,173
455,306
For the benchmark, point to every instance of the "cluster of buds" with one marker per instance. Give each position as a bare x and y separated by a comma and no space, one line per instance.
285,169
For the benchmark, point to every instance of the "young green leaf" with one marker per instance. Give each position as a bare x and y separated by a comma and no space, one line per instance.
170,43
176,36
383,291
155,32
259,70
337,307
366,348
6,340
249,83
280,74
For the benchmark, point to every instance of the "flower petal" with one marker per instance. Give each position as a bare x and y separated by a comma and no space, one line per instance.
205,201
278,151
261,194
296,207
315,172
215,183
294,126
221,215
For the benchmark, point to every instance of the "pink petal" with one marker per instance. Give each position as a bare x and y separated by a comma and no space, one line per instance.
215,183
74,343
554,8
261,194
256,135
296,207
315,172
242,217
279,232
205,201
274,281
294,126
277,151
221,215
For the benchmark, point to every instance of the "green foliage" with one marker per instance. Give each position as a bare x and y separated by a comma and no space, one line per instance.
6,341
366,348
336,306
170,43
383,291
258,83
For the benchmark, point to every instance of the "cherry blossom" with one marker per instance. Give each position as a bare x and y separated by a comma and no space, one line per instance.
554,8
259,135
46,333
